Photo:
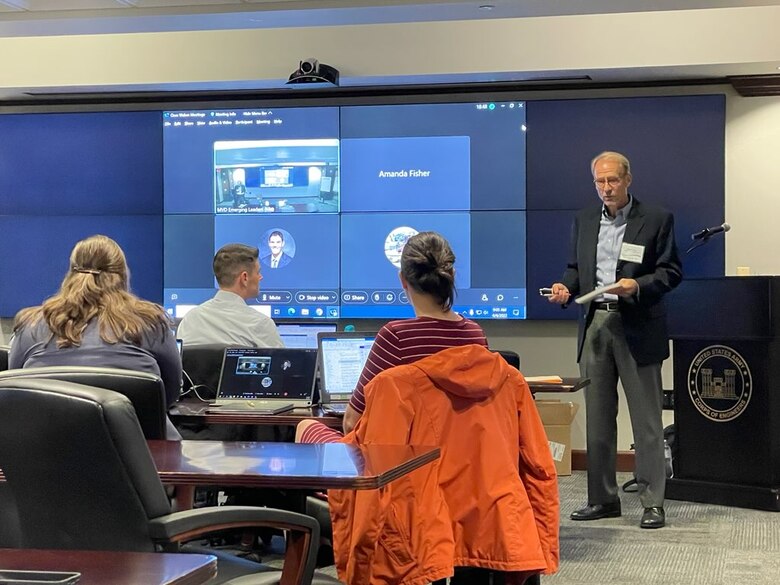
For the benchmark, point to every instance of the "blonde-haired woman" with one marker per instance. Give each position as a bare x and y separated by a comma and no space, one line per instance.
95,321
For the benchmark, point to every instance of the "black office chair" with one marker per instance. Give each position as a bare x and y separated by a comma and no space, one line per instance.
511,357
78,465
9,522
4,349
146,391
10,533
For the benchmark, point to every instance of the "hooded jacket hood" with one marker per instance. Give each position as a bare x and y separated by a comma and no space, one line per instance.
454,371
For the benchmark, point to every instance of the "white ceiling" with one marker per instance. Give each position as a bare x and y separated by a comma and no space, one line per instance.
48,20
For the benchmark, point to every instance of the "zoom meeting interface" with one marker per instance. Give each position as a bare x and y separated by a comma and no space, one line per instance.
330,195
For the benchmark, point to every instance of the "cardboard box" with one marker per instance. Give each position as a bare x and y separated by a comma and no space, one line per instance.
557,417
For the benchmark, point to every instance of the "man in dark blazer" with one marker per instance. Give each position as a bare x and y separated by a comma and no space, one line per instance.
622,333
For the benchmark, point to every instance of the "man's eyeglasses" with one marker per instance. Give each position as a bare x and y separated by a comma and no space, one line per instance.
613,182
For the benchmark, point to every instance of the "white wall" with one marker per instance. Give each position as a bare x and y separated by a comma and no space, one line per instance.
753,184
752,208
664,40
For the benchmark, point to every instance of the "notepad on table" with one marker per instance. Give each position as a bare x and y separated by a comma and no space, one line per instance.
544,379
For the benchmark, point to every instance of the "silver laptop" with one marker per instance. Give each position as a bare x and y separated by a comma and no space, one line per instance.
265,380
303,334
342,356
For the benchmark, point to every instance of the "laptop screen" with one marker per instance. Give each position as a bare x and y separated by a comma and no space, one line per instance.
303,334
342,357
266,373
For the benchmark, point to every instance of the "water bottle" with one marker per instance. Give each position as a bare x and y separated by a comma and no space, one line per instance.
668,459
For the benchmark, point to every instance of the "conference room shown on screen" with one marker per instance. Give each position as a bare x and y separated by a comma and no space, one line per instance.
330,195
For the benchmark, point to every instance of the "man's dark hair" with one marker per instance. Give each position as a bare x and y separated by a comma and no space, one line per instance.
276,233
231,260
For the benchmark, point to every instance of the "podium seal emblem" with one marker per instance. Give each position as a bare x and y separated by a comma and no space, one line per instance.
719,383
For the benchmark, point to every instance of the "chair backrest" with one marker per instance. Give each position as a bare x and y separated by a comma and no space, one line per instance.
146,391
202,363
4,349
9,518
511,357
78,466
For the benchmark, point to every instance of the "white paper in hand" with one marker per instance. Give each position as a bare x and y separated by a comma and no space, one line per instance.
594,294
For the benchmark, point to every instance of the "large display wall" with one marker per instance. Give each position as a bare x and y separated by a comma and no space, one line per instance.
339,189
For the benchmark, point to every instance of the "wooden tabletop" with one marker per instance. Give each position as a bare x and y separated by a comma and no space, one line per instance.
195,411
115,568
285,465
565,385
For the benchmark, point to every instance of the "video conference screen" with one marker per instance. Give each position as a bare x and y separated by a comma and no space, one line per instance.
330,195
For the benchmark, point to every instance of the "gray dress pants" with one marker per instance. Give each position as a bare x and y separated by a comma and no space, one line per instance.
605,359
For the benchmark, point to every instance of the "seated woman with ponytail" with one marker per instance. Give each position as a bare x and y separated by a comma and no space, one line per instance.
95,321
428,277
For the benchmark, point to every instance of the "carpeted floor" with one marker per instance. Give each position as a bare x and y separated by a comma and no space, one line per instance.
701,544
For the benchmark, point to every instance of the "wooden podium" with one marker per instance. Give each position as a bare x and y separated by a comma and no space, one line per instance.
726,334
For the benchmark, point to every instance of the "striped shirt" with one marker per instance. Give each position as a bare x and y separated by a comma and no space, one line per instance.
406,341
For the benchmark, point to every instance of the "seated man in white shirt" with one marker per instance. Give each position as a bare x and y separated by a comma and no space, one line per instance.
226,318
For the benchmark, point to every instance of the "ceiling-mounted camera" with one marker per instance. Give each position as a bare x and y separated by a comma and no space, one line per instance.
312,71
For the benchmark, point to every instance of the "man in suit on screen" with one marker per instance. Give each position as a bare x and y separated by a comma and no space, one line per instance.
278,258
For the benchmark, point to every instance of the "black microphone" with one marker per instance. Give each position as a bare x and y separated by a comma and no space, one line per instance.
709,232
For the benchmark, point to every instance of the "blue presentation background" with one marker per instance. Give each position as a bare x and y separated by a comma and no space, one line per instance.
497,141
445,157
36,251
188,251
316,261
81,164
364,265
498,249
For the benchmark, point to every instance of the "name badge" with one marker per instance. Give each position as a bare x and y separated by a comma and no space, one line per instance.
632,253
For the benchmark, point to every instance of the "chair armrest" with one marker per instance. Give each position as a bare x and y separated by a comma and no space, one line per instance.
190,524
302,541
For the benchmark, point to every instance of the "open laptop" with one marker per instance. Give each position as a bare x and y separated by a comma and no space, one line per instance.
342,356
303,334
265,380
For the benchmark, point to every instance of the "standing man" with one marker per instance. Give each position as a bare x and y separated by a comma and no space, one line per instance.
622,332
226,318
239,195
277,258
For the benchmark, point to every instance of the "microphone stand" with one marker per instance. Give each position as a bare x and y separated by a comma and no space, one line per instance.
699,243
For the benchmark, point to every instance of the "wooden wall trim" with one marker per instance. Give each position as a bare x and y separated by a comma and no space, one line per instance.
579,460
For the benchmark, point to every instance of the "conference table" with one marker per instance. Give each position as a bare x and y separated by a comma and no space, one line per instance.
113,567
571,384
285,465
196,411
296,467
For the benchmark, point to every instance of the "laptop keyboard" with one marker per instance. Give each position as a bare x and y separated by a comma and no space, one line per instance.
251,405
335,408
